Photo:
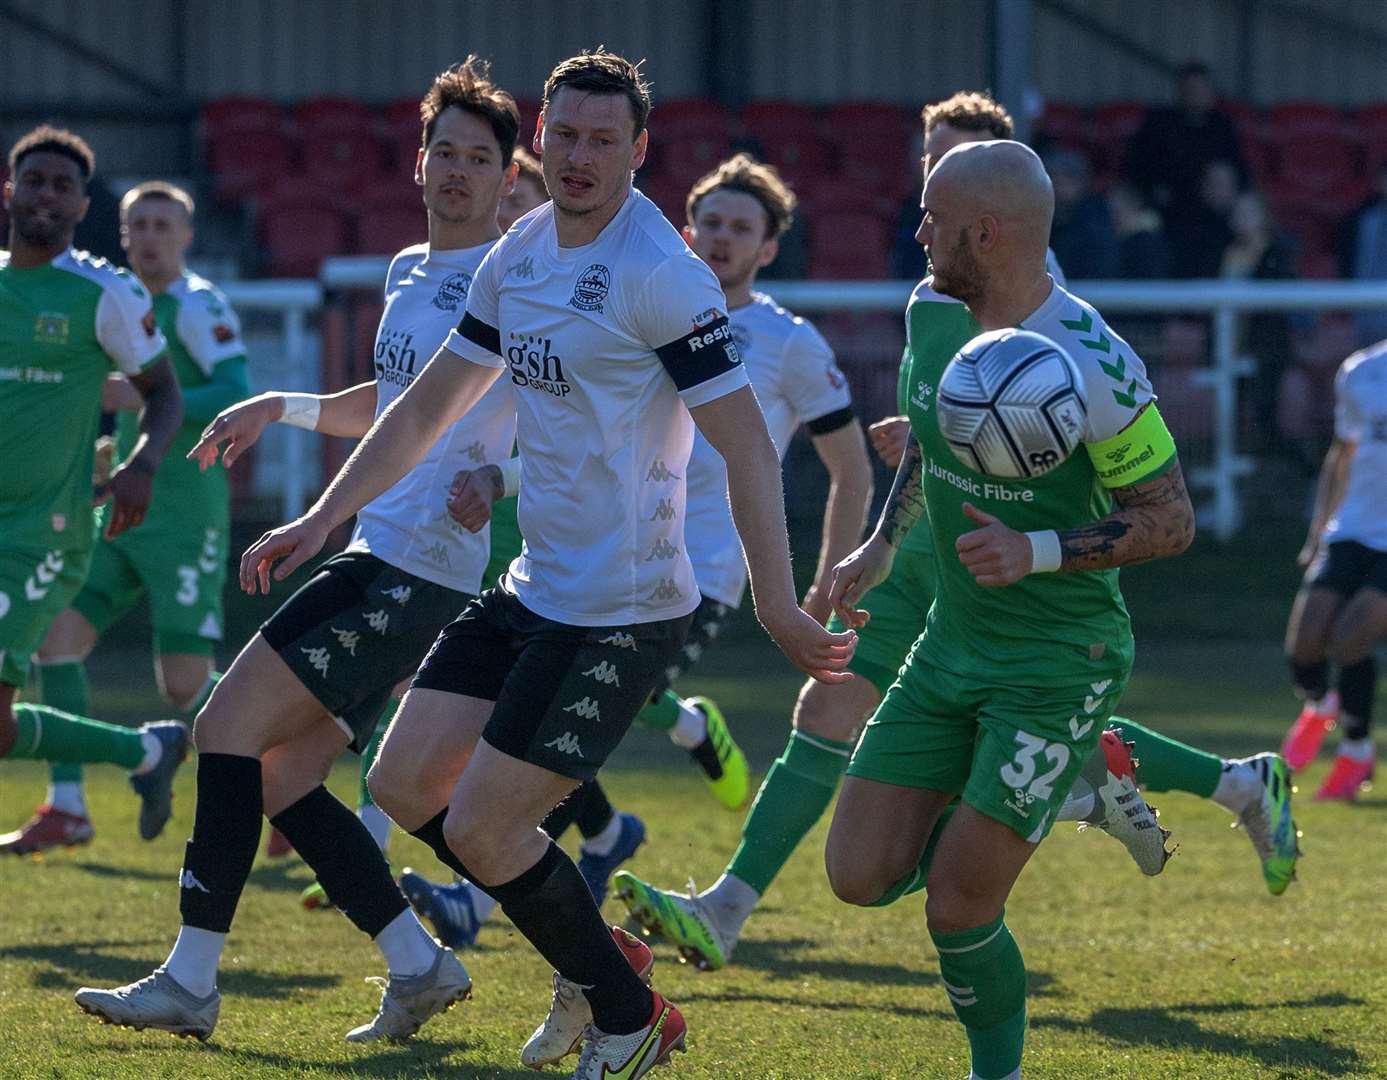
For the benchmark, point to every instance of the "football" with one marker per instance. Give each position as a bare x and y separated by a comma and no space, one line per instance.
1011,404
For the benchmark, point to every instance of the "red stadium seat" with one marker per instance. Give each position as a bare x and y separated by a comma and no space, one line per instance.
1304,116
1118,121
401,129
1318,169
845,193
338,140
242,114
692,114
772,118
299,229
849,120
1063,124
244,162
1370,121
333,112
850,244
387,221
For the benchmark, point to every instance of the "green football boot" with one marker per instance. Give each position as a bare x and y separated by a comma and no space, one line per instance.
685,921
732,784
1268,823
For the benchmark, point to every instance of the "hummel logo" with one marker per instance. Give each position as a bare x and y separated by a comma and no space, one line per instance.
400,594
666,590
664,512
377,620
348,639
476,451
662,549
604,672
567,743
586,709
524,269
319,658
46,572
186,880
621,640
660,471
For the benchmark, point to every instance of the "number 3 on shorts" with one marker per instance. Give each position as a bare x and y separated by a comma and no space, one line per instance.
187,586
1020,774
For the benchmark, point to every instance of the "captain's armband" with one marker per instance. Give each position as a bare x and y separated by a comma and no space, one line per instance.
1139,451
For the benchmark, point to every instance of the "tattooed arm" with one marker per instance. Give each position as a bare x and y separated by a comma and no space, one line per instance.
1153,520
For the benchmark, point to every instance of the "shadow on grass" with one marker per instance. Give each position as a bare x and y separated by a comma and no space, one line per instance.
416,1058
281,875
106,870
78,963
1164,1027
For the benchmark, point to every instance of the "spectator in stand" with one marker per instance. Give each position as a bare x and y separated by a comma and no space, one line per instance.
1200,233
1142,250
1364,253
1257,252
1081,235
1168,156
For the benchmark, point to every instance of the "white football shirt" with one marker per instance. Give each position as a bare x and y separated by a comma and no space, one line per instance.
797,381
1360,417
606,346
408,525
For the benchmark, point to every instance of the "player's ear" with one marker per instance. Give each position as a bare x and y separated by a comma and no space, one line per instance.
535,143
7,192
987,232
419,167
86,205
769,250
508,180
638,154
687,232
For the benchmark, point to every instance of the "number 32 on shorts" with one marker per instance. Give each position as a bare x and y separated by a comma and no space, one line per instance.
1033,754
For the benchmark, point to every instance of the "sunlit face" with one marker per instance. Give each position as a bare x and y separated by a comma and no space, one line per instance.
461,170
524,197
588,149
945,234
155,233
729,232
46,198
944,137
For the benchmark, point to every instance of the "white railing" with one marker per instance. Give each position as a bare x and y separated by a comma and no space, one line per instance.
1223,300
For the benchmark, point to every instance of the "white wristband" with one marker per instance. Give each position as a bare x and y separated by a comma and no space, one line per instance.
301,410
510,477
1045,551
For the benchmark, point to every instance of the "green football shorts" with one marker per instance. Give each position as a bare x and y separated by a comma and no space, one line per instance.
1011,752
898,607
35,586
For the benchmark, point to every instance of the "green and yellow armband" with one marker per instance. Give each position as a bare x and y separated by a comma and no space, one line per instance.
1139,451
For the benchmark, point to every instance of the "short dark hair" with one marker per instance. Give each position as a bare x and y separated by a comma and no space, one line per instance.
762,182
159,190
530,168
468,86
969,110
53,140
601,72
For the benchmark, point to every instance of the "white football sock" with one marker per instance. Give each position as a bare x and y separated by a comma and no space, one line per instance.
1010,1076
690,729
603,842
1238,784
153,751
406,945
732,901
194,959
377,824
66,795
1080,803
1358,750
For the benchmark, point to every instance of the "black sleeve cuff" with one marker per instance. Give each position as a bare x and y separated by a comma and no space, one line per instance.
831,422
480,334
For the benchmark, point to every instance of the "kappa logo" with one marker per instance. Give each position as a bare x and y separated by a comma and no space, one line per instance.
437,553
476,451
585,709
666,590
662,549
524,269
51,328
379,620
604,673
617,638
188,880
452,293
37,584
664,511
567,743
591,288
659,472
318,658
400,594
348,639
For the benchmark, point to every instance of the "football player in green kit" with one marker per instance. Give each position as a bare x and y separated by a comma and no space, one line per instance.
177,555
66,319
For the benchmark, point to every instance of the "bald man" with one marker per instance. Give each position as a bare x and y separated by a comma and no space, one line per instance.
1028,646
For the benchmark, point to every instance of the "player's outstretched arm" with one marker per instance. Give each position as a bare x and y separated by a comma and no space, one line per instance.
348,413
445,390
844,454
1329,492
870,565
735,427
132,484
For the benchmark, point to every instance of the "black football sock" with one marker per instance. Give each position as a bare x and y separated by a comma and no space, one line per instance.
551,905
340,851
1312,680
1357,685
226,832
563,815
594,811
431,833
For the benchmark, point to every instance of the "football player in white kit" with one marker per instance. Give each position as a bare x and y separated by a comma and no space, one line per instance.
314,679
611,333
1340,612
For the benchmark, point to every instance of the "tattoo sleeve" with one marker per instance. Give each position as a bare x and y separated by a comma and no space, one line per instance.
1153,520
905,505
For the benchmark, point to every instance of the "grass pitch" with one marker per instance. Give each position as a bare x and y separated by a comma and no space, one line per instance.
1196,974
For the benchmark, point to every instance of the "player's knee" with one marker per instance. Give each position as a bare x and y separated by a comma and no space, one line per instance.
852,881
953,904
386,791
820,712
180,691
479,846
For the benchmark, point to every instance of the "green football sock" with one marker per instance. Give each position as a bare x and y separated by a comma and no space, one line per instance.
914,881
46,734
793,797
985,978
1166,765
64,686
662,713
368,756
